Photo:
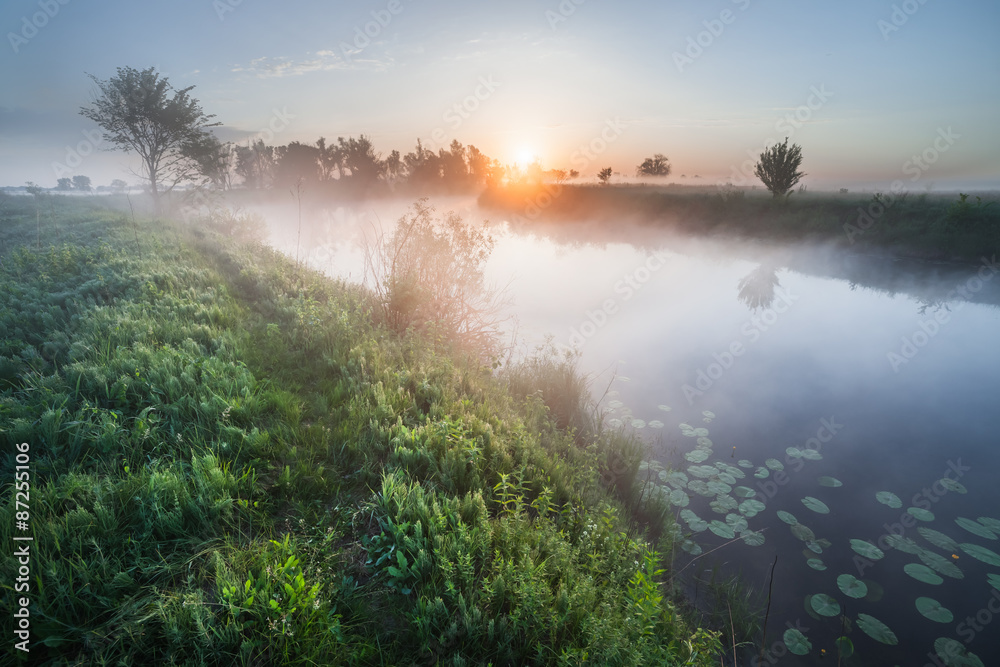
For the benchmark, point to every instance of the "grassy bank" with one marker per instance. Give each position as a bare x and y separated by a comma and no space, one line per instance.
906,224
233,462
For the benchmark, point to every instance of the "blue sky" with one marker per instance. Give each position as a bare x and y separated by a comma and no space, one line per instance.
583,84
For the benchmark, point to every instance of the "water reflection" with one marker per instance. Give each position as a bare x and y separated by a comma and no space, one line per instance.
756,289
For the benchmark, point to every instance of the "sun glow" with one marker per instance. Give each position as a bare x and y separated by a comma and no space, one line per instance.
525,156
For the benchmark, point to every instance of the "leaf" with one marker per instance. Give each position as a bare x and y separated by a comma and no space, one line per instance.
940,564
815,505
787,517
761,473
952,485
774,464
816,564
845,647
920,514
889,498
797,642
851,586
867,549
803,532
938,539
697,455
824,605
721,529
876,629
753,538
751,508
904,544
954,653
976,528
736,522
992,524
831,482
744,492
981,553
922,573
933,610
810,454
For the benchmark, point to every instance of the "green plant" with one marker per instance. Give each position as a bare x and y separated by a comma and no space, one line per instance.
778,168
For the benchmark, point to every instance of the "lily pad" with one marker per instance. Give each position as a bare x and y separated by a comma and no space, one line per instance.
743,463
889,498
678,498
774,464
697,455
723,504
940,564
787,517
904,544
851,586
736,522
638,423
831,482
816,564
803,532
665,408
994,580
877,630
794,452
845,647
954,653
938,539
992,524
976,528
814,547
701,488
721,529
824,605
922,573
867,549
744,492
920,514
816,505
933,610
761,473
719,487
797,642
751,508
981,553
656,423
952,485
691,547
810,454
704,472
698,525
753,538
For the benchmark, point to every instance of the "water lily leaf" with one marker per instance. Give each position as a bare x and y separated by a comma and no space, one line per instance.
761,473
938,539
797,642
876,629
774,464
851,586
709,414
721,529
678,498
804,533
687,515
845,647
736,522
614,423
787,517
753,538
889,498
824,605
816,505
981,553
743,463
831,482
723,504
992,524
698,525
704,442
697,455
867,549
904,544
952,485
816,564
954,653
665,408
744,492
810,454
719,487
940,564
656,423
814,547
726,478
875,590
794,452
976,528
751,508
704,472
920,514
691,547
994,580
701,488
933,610
922,573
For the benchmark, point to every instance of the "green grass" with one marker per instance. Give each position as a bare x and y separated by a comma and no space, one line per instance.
908,224
232,463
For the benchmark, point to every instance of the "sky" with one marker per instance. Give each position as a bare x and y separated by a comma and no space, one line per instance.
873,91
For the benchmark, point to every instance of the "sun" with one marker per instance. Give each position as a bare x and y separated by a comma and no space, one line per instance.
525,156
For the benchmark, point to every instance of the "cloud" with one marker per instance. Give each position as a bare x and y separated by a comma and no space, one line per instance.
267,67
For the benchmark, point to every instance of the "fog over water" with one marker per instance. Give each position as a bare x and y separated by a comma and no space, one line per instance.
879,367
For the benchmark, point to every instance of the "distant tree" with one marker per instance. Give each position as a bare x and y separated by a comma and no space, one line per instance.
778,167
360,159
393,166
118,185
82,183
138,113
558,175
34,189
64,184
604,175
573,173
423,167
255,164
294,162
658,165
215,160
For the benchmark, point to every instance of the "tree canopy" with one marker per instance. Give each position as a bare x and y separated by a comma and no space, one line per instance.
140,111
778,167
658,165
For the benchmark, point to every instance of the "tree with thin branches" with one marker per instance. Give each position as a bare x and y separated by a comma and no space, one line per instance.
140,111
778,167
